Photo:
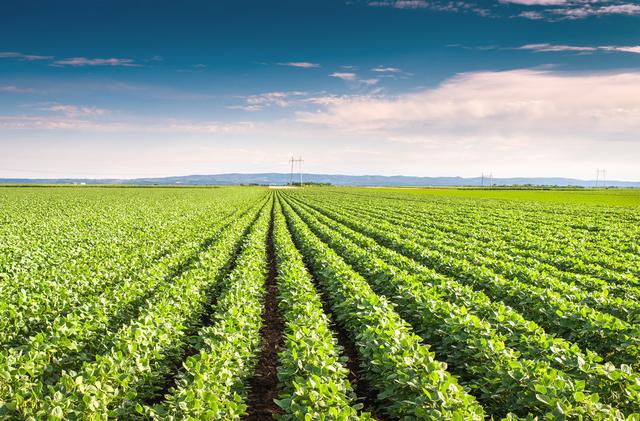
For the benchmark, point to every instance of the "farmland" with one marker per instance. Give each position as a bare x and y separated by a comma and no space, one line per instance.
319,303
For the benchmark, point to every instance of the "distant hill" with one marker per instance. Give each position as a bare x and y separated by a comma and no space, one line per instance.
335,179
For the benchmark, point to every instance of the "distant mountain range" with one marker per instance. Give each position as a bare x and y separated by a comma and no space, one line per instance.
335,179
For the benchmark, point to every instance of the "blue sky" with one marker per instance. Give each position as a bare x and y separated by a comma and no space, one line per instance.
150,88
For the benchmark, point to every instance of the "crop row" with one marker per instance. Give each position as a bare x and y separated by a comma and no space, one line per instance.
615,299
503,381
409,381
618,386
600,241
140,354
213,383
312,375
89,261
605,334
519,243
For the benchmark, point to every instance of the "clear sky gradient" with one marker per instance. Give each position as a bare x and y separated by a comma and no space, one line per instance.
430,88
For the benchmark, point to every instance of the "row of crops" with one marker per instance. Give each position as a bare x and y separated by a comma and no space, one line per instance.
230,303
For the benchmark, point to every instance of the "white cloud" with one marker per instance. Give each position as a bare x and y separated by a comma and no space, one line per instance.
344,75
84,61
381,69
625,9
53,123
250,108
77,111
546,48
354,79
208,127
540,103
453,6
300,64
634,49
536,2
72,122
23,57
520,122
269,98
401,4
529,14
15,89
584,11
260,101
371,81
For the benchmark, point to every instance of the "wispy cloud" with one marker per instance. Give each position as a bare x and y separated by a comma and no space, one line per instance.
582,12
547,48
300,64
550,10
75,61
559,48
259,102
53,123
381,69
208,127
536,2
555,10
530,14
77,111
453,6
354,79
74,123
23,57
552,48
15,89
84,61
349,76
401,4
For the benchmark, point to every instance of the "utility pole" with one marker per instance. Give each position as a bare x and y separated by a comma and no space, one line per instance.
490,180
597,176
482,180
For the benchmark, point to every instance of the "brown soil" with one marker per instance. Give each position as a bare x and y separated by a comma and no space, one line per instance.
263,386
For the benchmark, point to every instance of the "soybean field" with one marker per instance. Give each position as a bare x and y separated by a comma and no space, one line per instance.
318,304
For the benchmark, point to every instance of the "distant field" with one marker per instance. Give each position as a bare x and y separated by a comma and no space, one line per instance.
615,197
347,303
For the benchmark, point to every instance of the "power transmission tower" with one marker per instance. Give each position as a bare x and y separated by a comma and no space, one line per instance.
604,177
487,176
293,161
